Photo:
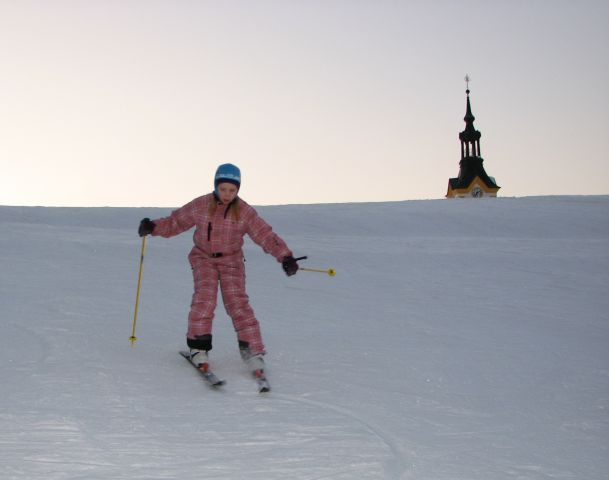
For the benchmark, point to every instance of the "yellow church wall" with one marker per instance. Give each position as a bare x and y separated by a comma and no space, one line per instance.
467,192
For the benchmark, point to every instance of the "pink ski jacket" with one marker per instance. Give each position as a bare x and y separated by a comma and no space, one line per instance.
220,235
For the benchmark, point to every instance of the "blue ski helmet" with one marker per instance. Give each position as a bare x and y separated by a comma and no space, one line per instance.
227,173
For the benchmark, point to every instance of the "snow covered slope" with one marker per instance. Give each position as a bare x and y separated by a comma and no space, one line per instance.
459,340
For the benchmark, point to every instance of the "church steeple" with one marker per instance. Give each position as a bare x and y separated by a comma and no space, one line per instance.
470,137
472,180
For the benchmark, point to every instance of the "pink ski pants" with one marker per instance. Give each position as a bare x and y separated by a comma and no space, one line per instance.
230,275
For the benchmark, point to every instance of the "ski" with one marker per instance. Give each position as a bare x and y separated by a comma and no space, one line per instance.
209,376
255,365
211,379
263,384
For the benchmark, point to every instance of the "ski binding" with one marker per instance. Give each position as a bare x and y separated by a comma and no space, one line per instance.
209,376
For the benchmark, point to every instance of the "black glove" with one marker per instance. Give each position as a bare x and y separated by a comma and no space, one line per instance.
290,266
146,227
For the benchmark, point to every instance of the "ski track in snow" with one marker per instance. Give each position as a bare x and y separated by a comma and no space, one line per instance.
458,341
395,467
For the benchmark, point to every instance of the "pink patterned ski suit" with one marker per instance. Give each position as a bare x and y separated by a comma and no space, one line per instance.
217,258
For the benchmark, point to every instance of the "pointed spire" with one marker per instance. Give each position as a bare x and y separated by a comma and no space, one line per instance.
470,134
469,117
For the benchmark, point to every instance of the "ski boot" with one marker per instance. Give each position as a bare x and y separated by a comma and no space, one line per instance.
255,363
199,359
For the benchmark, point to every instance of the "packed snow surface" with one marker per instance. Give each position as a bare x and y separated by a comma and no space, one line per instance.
460,339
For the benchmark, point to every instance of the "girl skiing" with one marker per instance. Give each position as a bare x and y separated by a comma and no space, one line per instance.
221,219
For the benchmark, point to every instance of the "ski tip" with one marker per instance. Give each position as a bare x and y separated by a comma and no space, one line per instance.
211,379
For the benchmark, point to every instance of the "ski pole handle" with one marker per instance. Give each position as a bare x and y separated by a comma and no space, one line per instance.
329,271
133,338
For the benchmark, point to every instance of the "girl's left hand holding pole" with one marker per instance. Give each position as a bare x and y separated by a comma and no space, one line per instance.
290,266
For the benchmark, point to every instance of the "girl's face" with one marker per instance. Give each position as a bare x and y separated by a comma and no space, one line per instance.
227,192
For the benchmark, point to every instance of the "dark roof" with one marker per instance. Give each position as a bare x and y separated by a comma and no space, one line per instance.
470,168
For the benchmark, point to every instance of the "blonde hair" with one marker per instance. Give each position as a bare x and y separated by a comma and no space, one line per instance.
234,208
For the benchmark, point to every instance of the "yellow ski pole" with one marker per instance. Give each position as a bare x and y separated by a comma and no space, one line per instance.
329,271
133,338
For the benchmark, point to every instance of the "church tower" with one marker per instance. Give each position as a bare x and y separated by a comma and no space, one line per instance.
472,180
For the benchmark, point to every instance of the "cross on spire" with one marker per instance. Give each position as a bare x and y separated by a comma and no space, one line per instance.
467,79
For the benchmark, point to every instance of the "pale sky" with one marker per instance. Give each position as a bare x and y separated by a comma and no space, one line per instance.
136,102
